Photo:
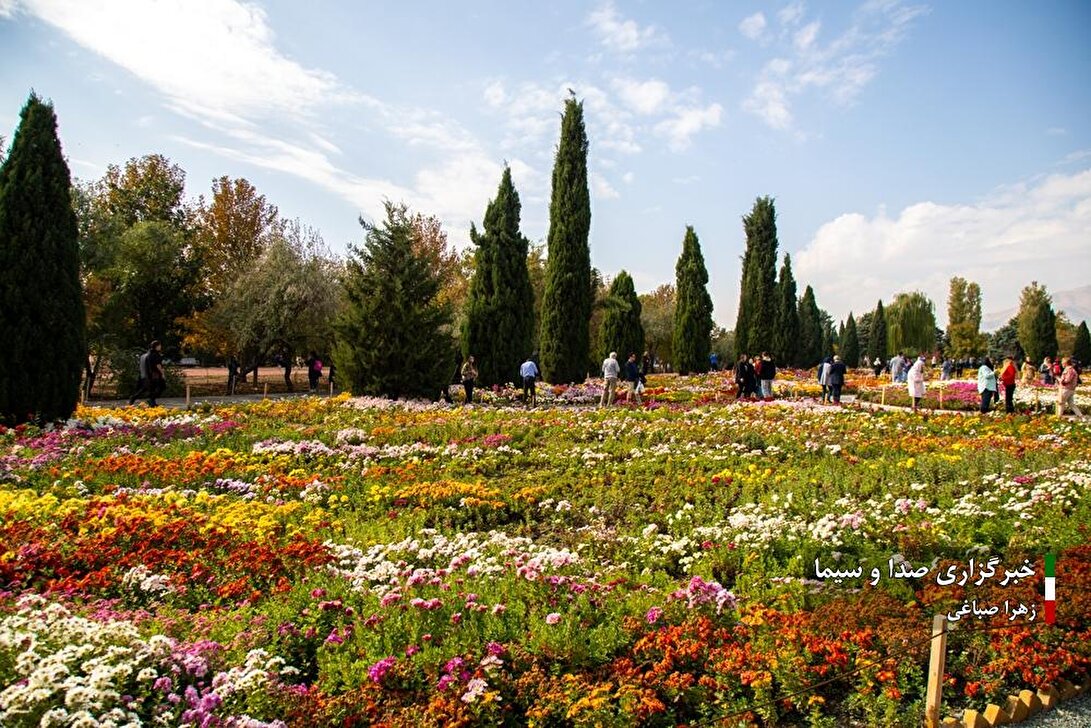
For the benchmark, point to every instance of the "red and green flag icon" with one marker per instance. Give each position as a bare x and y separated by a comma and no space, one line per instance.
1051,588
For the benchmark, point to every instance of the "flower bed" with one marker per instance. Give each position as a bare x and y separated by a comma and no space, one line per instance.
360,561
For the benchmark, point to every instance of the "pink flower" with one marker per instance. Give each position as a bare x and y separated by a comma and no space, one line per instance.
456,617
553,618
653,615
377,671
318,593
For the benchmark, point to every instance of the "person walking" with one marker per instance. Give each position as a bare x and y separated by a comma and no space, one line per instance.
141,377
915,381
947,370
314,371
877,366
768,373
632,374
835,378
1046,371
529,373
610,371
285,361
823,378
157,380
1066,389
469,378
232,375
1008,375
897,368
986,384
744,374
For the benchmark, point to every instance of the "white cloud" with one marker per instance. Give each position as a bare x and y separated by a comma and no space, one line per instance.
643,97
209,57
628,178
752,26
623,35
687,122
838,70
804,37
602,188
791,14
7,8
494,94
1030,231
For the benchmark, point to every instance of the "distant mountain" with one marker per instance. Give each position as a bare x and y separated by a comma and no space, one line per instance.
1075,302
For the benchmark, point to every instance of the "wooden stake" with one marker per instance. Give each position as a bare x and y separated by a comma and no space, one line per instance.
187,394
266,392
883,399
934,696
941,397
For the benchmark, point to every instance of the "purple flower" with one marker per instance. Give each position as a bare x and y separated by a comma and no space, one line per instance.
377,671
553,618
653,615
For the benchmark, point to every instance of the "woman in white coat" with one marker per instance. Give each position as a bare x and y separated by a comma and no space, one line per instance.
915,381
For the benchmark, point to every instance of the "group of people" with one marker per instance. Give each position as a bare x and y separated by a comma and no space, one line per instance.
635,374
1064,374
754,376
831,377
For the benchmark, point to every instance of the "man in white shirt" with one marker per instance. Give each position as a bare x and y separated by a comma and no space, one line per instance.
610,371
529,372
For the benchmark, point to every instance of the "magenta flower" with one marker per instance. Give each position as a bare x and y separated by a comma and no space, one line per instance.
653,615
379,670
553,618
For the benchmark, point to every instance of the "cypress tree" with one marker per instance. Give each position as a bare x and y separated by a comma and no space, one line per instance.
876,347
850,344
566,305
392,337
499,325
42,325
1081,348
757,291
1037,323
811,330
786,333
622,330
693,308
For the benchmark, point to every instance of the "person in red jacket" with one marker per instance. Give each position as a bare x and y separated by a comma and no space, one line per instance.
1008,375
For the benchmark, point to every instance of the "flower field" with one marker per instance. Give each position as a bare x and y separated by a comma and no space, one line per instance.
362,562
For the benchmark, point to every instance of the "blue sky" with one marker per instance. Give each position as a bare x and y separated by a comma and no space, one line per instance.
904,142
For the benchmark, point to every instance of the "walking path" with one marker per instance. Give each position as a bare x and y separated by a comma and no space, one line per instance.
180,402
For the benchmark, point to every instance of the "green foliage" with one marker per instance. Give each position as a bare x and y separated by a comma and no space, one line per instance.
621,328
286,301
757,292
1005,342
876,348
393,335
43,333
499,324
786,334
850,343
1037,323
566,306
810,331
964,319
911,323
1082,347
693,309
657,317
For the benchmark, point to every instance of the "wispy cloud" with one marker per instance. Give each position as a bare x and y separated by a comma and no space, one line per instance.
220,66
643,97
686,122
994,242
838,69
602,187
752,26
622,34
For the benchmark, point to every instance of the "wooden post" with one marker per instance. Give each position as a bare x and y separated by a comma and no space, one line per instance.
331,389
266,392
883,398
187,394
934,696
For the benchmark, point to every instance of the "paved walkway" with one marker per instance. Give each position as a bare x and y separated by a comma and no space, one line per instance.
180,402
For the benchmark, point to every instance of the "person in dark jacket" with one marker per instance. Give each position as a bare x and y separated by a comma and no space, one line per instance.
744,377
835,378
633,376
768,373
232,374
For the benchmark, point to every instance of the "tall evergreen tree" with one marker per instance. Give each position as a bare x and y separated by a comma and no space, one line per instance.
811,330
392,336
876,348
499,325
622,330
693,308
1081,349
757,291
786,333
566,305
1037,323
42,324
850,344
